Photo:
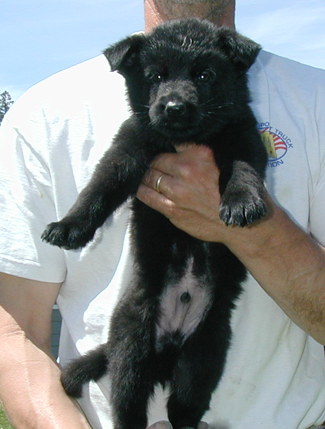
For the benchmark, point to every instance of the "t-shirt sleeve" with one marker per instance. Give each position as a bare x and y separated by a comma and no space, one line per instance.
317,206
317,211
26,203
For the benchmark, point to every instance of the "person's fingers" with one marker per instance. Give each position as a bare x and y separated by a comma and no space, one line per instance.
181,164
161,183
152,178
158,201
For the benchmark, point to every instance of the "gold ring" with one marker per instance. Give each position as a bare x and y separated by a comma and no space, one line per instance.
157,187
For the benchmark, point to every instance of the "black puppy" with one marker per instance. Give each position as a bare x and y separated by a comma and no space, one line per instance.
186,83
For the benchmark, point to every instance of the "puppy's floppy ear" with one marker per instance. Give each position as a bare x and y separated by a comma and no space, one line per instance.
239,49
122,54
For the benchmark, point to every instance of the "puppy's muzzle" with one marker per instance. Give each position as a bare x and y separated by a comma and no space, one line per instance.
175,109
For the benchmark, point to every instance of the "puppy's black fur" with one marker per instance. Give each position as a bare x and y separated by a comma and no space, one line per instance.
186,83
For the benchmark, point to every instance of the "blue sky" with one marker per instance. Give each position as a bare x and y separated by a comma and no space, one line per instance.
39,38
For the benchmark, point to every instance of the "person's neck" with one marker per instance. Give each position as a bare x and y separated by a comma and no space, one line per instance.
155,16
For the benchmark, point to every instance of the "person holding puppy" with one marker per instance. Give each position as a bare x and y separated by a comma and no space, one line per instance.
275,373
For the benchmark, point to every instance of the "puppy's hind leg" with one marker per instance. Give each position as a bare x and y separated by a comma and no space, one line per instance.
131,391
132,362
197,374
91,366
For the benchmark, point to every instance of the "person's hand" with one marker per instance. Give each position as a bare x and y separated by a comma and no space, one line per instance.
166,425
188,193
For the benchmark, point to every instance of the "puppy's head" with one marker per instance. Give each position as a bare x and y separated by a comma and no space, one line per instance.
187,78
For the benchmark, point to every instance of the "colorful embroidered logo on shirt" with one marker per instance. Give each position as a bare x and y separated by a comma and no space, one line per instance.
276,143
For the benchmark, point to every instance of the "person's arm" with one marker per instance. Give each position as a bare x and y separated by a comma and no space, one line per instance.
286,262
30,387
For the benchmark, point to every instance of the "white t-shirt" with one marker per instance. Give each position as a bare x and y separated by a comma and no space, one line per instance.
51,140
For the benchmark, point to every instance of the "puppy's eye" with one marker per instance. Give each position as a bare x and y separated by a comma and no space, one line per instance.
206,76
155,77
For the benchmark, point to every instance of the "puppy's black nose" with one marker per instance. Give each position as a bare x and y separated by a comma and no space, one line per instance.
175,108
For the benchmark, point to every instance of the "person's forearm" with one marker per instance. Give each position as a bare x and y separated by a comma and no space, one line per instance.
30,386
289,265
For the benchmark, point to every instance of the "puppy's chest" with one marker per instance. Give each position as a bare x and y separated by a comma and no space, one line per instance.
184,303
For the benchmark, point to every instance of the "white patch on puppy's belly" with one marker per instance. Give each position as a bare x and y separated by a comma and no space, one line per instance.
182,307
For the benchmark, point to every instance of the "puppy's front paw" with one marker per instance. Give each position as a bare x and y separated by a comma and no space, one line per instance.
241,209
68,235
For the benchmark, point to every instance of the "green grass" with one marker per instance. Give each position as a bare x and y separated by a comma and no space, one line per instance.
4,424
